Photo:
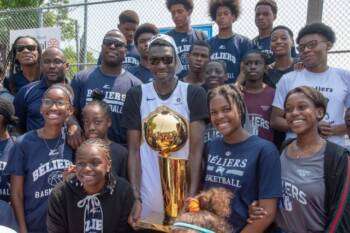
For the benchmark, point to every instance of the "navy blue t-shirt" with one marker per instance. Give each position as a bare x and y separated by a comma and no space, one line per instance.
19,81
184,41
5,146
42,169
142,73
114,89
264,45
27,105
132,57
251,169
231,51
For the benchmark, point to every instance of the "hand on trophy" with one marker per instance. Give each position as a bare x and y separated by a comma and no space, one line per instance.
135,214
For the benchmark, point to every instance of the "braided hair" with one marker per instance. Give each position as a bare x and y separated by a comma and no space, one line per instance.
232,96
13,64
103,146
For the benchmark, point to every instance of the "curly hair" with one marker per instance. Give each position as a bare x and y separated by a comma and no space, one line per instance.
271,3
232,96
8,111
233,5
188,4
214,209
316,97
317,28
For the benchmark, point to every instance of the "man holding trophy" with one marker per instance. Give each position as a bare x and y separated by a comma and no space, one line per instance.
165,122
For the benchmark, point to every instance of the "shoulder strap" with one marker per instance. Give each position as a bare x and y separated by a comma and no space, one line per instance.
286,143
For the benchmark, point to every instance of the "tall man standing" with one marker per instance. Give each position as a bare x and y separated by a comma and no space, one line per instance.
187,100
265,15
183,34
314,42
109,78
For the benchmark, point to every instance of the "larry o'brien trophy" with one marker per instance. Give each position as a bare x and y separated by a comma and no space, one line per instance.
166,131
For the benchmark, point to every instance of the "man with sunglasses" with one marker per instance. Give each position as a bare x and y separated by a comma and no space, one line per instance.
314,42
109,78
28,100
164,91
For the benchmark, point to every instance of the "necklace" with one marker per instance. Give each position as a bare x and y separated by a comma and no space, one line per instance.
52,151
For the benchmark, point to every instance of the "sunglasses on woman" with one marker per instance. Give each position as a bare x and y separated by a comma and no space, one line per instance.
21,48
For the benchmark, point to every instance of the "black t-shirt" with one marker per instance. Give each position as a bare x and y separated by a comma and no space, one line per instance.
119,156
196,100
274,75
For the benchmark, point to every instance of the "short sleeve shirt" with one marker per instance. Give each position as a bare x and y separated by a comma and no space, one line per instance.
41,163
119,156
302,207
132,57
231,51
259,106
5,146
196,98
184,41
27,104
114,89
142,73
334,84
264,45
251,169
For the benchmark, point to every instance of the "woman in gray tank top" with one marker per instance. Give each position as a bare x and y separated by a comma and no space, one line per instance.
315,172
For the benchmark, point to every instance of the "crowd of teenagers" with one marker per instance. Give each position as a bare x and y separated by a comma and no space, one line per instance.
267,119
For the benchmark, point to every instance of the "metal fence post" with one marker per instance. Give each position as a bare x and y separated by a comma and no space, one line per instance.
40,18
314,11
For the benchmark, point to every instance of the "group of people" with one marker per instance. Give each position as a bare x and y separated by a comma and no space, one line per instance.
267,124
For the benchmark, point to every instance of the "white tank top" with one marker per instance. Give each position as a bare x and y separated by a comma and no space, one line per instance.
151,190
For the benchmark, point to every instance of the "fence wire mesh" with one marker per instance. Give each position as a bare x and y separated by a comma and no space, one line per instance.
94,19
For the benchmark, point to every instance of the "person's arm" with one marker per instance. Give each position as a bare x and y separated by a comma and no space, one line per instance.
278,121
259,225
55,220
195,157
326,129
128,203
17,201
134,173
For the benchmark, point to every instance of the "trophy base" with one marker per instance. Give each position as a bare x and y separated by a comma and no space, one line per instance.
155,222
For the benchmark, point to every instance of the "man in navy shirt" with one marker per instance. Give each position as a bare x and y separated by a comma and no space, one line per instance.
183,34
142,36
110,79
228,46
128,22
198,58
28,100
265,15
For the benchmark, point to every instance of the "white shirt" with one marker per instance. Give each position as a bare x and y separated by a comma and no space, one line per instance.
151,190
334,84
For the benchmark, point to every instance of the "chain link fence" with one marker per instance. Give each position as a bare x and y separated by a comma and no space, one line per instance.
83,23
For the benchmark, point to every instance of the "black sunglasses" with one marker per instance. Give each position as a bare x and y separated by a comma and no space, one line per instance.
117,43
157,60
21,48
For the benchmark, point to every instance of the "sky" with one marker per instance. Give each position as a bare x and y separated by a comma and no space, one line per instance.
104,17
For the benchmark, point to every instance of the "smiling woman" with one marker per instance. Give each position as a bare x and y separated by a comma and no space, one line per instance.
38,159
93,198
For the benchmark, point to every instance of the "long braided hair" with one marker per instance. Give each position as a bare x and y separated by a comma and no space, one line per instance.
232,96
13,64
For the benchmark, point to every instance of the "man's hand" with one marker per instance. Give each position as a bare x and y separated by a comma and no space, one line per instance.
135,214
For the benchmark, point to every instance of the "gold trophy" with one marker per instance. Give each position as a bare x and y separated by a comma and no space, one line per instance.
166,131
